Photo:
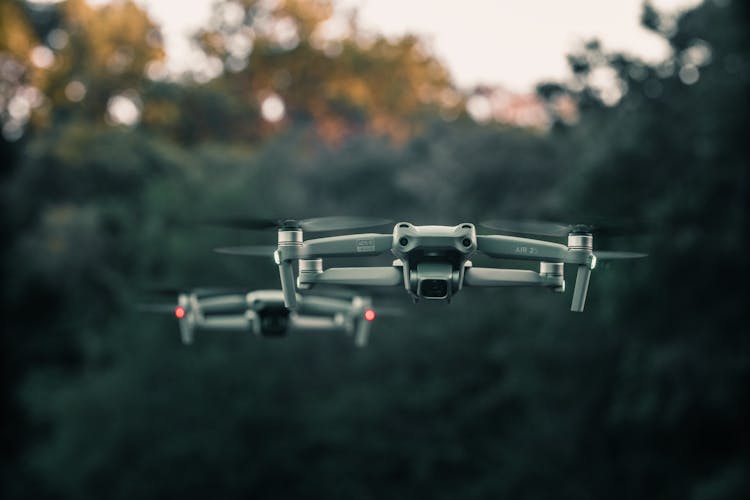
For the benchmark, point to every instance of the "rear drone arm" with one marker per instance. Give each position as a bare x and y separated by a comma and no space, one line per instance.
492,277
228,322
354,276
195,320
316,304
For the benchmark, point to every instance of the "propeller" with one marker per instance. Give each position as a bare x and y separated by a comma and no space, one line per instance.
176,310
599,225
248,250
317,224
156,308
184,309
611,255
169,291
389,311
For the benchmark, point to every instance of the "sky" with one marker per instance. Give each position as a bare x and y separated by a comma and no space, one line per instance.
510,43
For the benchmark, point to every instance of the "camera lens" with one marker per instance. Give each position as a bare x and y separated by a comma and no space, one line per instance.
436,289
466,242
274,321
403,242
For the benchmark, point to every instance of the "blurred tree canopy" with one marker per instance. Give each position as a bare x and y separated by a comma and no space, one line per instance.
502,393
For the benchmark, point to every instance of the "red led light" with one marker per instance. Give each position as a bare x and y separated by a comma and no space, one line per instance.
179,312
370,314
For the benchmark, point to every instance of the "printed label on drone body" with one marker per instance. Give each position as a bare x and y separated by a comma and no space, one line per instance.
365,246
526,250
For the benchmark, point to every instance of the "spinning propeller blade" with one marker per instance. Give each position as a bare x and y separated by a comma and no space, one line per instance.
317,224
251,223
610,255
389,311
248,251
156,308
599,225
539,228
168,291
320,224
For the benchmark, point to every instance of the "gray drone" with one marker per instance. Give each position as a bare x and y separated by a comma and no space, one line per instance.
431,262
263,313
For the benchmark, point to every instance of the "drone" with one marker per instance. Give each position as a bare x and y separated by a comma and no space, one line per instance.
432,262
264,313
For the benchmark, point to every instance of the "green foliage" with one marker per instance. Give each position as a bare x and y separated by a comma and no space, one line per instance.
503,393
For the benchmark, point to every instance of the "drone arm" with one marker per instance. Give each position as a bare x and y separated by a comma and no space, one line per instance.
353,276
286,275
228,322
512,247
306,324
187,328
491,277
335,246
222,302
348,245
581,288
312,304
362,333
233,322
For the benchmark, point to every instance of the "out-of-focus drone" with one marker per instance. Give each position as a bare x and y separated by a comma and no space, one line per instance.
263,313
432,262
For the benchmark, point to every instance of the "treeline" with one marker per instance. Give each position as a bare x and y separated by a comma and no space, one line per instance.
503,393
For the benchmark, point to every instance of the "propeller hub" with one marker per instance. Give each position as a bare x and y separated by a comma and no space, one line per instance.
288,224
290,236
580,241
582,229
311,265
551,268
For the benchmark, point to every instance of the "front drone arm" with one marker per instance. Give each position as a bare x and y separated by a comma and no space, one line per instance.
291,247
307,324
512,247
353,245
227,322
315,304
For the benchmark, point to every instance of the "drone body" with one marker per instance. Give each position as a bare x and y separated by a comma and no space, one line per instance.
431,262
264,313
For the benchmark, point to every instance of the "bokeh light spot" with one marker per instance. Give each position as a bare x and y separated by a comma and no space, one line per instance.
19,108
479,108
123,109
272,108
689,74
42,57
156,70
698,54
285,33
58,38
75,91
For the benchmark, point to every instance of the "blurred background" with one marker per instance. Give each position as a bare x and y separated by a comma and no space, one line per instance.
118,132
